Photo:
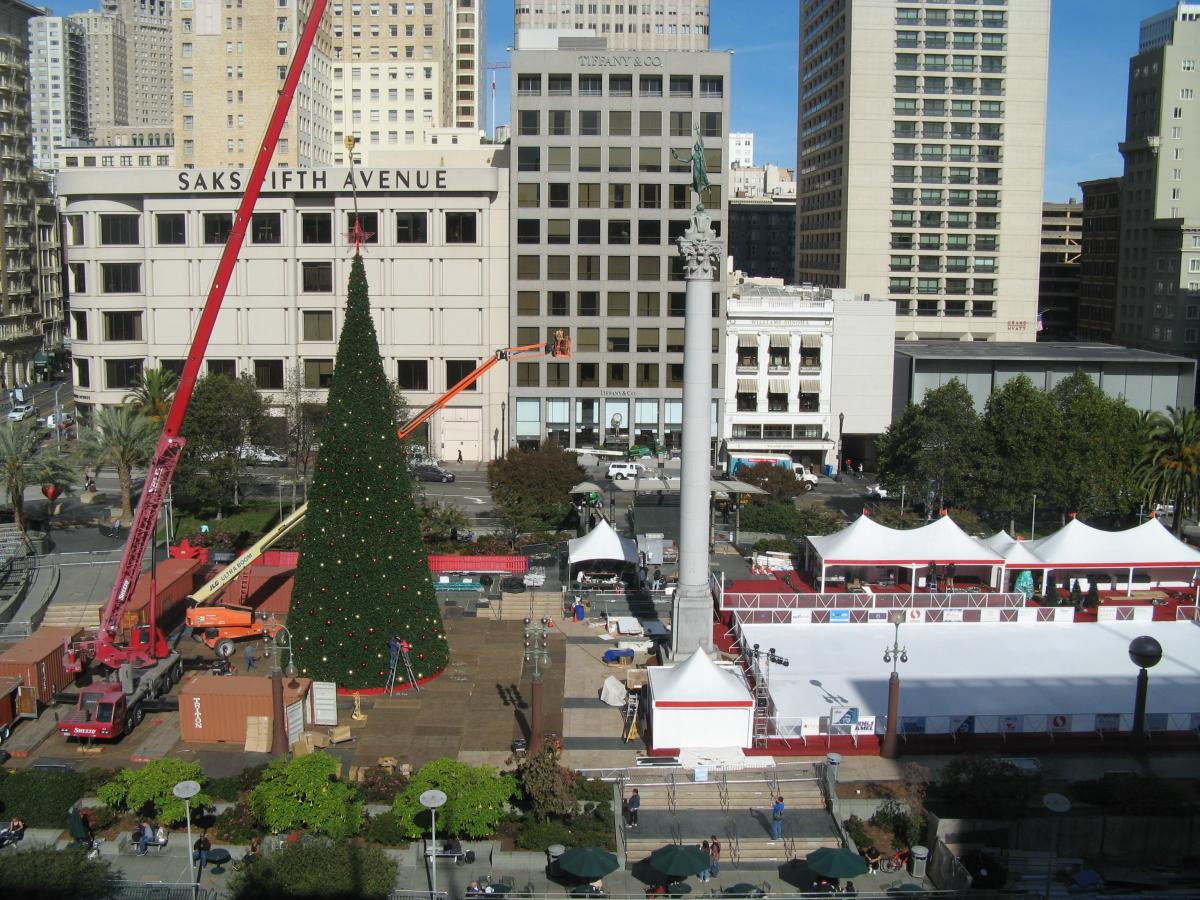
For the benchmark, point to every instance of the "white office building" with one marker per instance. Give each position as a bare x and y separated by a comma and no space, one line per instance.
741,149
58,85
142,245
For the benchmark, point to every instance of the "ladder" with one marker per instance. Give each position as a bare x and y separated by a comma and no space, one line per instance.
762,706
391,679
630,730
402,656
244,587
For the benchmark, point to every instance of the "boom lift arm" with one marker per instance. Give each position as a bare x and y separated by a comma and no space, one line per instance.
106,647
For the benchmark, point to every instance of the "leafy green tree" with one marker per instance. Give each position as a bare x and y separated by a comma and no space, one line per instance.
478,797
304,793
780,484
938,447
122,438
530,487
548,785
1168,469
24,462
224,414
319,870
1026,430
148,789
47,873
439,520
787,518
364,573
152,394
304,413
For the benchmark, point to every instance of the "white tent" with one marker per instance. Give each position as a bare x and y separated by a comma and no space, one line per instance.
601,543
1000,541
699,704
866,543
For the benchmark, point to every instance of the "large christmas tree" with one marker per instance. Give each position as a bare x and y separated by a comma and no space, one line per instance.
363,575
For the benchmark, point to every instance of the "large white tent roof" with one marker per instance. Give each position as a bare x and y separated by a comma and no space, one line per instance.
697,683
1079,546
602,542
866,542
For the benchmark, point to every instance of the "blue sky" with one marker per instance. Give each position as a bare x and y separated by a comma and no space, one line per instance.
1090,45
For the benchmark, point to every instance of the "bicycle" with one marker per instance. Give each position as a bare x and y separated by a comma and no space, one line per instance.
897,862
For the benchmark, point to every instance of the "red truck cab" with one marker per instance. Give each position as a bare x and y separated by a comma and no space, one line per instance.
100,712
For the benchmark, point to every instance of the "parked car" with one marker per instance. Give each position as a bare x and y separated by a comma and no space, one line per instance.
261,456
619,470
21,412
60,420
432,473
877,491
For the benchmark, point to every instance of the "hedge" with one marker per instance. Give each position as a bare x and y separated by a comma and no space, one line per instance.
40,799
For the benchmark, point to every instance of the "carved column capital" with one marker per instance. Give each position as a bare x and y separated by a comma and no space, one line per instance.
701,251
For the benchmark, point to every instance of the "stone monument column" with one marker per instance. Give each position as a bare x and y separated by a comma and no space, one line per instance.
692,623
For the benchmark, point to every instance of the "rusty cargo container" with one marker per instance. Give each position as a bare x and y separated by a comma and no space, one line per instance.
8,704
213,708
176,580
38,661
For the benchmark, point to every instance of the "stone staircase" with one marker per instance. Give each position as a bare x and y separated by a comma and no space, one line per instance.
78,613
535,604
741,790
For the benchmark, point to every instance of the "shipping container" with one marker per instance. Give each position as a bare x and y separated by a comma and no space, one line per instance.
38,661
176,580
213,708
8,704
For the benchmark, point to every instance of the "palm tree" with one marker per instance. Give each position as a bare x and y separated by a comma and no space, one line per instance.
23,462
153,392
122,438
1169,469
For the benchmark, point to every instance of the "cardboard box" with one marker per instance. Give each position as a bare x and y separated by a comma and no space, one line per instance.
339,734
258,734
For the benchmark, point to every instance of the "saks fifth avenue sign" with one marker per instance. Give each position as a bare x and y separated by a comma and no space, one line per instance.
219,181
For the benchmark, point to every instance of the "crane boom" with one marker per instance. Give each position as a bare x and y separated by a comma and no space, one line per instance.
106,647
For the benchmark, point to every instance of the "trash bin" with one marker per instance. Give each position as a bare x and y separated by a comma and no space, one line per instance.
828,471
920,856
553,852
833,760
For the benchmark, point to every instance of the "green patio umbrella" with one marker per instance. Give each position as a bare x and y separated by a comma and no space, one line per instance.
679,860
836,862
588,862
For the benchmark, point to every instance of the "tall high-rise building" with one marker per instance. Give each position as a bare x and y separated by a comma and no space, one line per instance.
30,316
468,43
601,190
390,69
149,55
741,149
1099,258
1058,283
230,62
58,86
1158,282
106,51
663,25
924,183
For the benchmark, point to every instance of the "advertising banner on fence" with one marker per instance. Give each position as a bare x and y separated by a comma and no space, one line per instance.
952,615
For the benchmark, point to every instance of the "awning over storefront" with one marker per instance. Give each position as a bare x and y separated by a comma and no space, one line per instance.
780,340
810,385
810,340
747,340
777,386
747,386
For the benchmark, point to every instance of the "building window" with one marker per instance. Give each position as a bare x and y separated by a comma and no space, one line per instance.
122,326
316,277
170,228
83,373
411,228
529,268
460,228
217,227
318,373
119,230
316,228
458,369
120,278
268,374
122,374
266,228
317,325
529,159
528,375
368,221
412,374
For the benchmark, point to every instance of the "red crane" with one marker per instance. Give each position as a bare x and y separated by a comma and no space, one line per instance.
149,645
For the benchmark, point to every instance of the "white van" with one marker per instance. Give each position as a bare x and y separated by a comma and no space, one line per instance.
625,469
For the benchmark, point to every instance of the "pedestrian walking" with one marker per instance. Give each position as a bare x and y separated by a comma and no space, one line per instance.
633,804
777,819
460,454
248,653
714,856
860,470
703,873
201,850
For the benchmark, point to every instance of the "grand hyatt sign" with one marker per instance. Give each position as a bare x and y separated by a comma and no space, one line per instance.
205,181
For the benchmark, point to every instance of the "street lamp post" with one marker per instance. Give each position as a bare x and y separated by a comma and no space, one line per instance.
185,791
1145,652
1057,804
837,463
895,655
432,800
1033,520
57,420
537,652
281,640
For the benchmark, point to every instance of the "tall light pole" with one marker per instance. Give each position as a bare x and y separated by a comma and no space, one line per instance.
537,652
185,791
432,800
895,655
1057,804
1033,520
1145,652
58,424
281,640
